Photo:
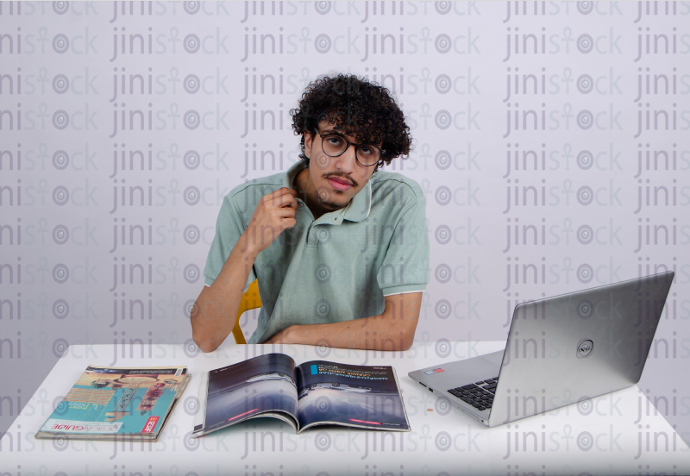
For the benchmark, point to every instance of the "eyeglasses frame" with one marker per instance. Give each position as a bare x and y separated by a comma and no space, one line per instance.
323,135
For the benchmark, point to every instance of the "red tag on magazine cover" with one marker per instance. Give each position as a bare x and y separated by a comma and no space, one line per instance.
150,424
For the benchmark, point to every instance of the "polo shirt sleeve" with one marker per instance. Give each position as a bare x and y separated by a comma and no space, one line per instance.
405,268
229,228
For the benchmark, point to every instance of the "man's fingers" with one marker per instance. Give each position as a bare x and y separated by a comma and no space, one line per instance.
286,212
288,201
288,198
292,204
283,197
284,191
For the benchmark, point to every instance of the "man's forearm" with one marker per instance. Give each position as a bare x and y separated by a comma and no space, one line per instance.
373,333
215,311
388,331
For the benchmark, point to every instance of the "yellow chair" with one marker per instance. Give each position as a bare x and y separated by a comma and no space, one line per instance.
250,300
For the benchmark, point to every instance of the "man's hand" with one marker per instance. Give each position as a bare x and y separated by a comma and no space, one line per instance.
274,213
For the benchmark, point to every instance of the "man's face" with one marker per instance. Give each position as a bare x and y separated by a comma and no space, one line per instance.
335,180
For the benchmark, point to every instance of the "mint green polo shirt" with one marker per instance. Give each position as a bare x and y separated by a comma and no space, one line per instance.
338,267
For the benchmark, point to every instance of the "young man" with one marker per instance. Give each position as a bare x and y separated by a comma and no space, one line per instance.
340,249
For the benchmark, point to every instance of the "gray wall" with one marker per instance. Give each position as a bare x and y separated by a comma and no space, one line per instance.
580,77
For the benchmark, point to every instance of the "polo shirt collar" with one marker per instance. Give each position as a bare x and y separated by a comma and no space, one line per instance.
359,207
356,211
291,173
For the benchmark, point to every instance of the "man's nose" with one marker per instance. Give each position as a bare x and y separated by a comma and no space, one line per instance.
347,160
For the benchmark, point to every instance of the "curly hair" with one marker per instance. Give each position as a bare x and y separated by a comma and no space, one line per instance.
357,107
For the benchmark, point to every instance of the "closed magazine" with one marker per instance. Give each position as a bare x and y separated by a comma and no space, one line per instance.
117,403
314,393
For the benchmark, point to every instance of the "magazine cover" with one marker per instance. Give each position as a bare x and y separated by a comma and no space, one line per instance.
108,402
313,393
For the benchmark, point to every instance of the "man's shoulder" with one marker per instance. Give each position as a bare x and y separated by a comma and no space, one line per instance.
385,182
252,190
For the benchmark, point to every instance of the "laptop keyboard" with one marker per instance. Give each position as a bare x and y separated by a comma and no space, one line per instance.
479,394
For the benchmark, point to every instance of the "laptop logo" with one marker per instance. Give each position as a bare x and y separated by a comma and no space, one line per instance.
585,348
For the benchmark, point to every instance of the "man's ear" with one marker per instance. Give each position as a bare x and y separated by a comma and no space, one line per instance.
308,140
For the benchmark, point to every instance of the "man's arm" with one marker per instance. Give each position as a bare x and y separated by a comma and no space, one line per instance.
392,330
214,313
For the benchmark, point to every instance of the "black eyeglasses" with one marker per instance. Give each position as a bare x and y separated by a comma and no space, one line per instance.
335,145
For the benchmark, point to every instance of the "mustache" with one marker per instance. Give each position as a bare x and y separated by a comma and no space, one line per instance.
343,177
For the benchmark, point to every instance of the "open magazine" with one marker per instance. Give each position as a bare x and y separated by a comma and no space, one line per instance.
314,393
117,403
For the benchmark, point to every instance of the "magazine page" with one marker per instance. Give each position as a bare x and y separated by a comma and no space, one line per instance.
258,386
115,402
200,413
359,396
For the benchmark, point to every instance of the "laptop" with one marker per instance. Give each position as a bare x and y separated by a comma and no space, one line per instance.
560,350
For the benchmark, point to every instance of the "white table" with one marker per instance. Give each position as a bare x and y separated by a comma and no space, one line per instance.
626,438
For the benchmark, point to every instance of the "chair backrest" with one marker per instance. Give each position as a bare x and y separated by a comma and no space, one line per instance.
250,300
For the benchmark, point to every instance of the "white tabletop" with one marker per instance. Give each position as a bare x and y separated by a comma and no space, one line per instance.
625,434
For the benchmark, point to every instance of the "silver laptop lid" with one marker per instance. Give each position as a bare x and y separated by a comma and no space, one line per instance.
576,346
